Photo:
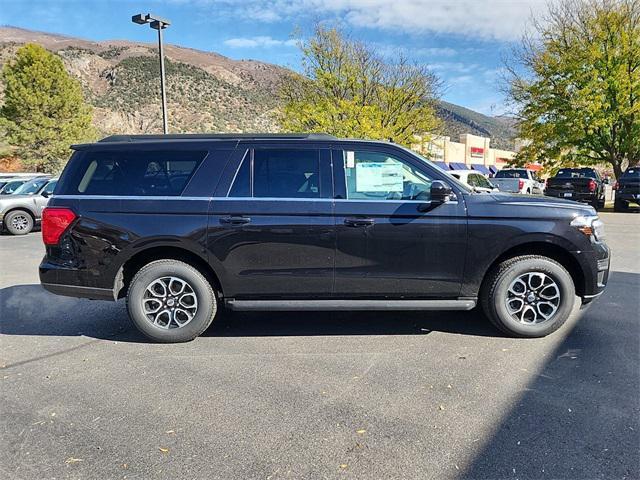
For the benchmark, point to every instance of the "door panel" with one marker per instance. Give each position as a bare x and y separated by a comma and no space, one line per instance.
270,247
397,250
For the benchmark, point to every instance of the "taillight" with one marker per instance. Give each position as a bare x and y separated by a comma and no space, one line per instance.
592,186
55,220
520,184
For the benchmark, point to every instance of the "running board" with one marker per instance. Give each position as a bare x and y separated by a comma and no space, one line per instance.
349,305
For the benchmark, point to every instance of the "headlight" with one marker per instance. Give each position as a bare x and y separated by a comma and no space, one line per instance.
590,225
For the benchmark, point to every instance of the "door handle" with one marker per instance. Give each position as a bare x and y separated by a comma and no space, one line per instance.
359,222
235,220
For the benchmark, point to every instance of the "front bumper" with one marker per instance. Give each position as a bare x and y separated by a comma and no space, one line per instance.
595,267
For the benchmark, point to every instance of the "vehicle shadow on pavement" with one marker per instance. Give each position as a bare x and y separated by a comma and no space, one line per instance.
30,310
579,416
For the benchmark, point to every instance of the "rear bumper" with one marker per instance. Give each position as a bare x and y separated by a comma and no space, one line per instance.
80,292
71,282
575,196
628,197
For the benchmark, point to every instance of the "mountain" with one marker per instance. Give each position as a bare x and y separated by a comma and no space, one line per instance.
459,120
205,91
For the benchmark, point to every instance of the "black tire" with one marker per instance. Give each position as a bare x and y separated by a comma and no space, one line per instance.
620,206
602,203
18,222
493,295
595,203
528,191
204,313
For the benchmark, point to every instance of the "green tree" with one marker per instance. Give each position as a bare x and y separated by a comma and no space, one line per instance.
576,85
347,90
44,111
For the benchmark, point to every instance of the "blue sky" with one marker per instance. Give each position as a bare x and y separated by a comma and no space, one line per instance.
462,41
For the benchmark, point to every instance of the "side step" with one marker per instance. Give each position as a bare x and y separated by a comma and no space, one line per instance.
349,305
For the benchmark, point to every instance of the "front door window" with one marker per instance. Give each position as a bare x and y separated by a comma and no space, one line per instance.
379,176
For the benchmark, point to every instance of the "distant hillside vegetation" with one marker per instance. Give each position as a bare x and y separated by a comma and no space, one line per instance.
206,92
460,120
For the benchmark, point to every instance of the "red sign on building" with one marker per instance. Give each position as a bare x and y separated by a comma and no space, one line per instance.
477,152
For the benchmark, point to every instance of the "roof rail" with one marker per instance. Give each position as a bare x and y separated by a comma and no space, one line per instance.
218,136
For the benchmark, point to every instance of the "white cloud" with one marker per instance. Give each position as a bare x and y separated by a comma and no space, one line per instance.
258,42
483,19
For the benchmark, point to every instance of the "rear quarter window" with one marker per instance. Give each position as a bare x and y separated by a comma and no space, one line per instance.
131,173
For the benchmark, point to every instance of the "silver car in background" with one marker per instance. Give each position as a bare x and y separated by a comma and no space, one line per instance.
21,211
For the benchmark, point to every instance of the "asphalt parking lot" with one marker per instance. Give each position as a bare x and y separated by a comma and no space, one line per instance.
322,395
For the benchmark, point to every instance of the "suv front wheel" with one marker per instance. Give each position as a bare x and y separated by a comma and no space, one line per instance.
170,301
528,296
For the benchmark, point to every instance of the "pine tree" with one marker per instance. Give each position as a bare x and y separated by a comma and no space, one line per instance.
44,111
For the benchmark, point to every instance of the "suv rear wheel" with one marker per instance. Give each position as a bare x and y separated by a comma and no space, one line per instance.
18,222
528,296
170,301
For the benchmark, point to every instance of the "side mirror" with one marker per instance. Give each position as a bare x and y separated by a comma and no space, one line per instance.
45,194
440,192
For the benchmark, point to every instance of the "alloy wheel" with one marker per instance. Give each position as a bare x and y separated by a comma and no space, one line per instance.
20,223
533,298
169,302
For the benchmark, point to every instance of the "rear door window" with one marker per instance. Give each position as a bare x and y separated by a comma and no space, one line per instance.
134,173
279,173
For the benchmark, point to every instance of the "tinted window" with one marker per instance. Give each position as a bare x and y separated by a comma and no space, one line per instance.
511,174
631,173
242,183
378,176
286,173
576,173
134,173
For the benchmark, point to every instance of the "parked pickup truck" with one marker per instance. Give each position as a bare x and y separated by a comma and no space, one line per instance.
627,189
579,184
518,180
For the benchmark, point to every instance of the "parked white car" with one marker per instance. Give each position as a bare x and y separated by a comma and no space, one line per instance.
22,210
518,180
475,180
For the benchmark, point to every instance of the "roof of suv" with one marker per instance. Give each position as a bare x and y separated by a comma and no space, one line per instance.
129,139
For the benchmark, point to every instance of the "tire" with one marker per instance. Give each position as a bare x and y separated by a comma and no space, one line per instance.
528,191
620,206
194,286
18,222
602,203
595,203
495,292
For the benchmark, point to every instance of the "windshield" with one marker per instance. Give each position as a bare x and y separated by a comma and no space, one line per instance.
576,173
631,173
31,187
511,174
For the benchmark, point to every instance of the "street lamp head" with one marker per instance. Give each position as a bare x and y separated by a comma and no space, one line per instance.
140,18
156,22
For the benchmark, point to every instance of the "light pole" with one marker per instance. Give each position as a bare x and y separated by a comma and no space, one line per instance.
159,24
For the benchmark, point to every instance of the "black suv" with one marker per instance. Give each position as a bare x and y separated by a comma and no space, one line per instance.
182,224
627,189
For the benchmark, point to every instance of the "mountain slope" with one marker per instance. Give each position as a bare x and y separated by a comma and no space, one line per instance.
205,91
459,120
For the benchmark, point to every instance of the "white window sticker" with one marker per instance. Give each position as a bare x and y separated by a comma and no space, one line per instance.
379,177
351,159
